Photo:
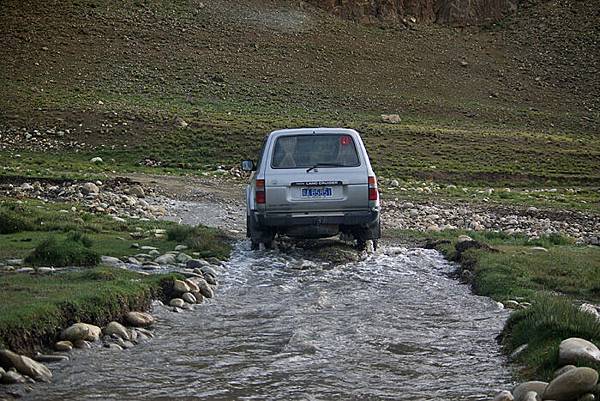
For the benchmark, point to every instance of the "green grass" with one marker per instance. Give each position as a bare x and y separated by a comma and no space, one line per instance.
543,326
107,236
33,309
71,251
552,281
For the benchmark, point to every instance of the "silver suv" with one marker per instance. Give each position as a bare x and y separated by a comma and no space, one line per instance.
312,183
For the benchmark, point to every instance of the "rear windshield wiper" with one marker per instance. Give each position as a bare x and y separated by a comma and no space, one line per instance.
324,165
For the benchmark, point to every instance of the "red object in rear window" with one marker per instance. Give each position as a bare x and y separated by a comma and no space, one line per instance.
345,140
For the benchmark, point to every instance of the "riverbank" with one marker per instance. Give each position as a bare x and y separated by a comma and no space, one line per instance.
553,285
42,292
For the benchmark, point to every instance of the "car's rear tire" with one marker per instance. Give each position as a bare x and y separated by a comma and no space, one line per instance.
258,235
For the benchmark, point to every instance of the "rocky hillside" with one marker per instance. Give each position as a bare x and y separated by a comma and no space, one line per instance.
405,12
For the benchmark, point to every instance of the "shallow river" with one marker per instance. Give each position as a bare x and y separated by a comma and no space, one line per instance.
392,327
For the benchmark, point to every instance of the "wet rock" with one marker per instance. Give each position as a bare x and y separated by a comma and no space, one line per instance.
204,288
504,395
25,365
518,351
145,332
116,328
50,358
531,396
113,346
210,279
12,377
81,331
564,369
177,302
199,297
208,270
189,298
166,259
180,287
111,261
575,350
571,384
521,390
82,344
511,304
196,263
139,319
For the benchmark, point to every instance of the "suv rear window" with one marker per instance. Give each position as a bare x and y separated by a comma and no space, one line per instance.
302,151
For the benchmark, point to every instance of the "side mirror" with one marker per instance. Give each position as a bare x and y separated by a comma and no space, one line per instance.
248,165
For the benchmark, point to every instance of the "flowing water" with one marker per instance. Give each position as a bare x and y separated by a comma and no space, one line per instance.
392,327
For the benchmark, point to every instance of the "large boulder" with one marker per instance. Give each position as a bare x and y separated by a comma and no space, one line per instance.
574,350
81,331
117,329
204,288
521,390
571,384
139,319
25,366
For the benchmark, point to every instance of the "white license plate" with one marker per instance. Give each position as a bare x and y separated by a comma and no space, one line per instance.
326,192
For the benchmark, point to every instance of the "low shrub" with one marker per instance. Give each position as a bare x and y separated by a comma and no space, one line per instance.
11,222
72,251
181,233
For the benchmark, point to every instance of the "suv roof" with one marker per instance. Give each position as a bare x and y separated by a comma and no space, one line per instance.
321,130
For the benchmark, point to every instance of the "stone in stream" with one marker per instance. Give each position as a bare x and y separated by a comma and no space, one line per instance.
504,395
166,259
145,332
111,261
11,377
82,344
25,365
63,346
196,263
522,389
113,346
199,297
573,350
193,287
189,298
205,289
81,331
210,279
116,328
49,358
177,302
571,384
139,319
180,287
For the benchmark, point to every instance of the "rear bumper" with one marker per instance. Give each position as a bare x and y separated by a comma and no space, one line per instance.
354,218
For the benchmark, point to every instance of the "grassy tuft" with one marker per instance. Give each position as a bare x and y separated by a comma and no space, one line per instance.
208,242
543,326
11,222
72,251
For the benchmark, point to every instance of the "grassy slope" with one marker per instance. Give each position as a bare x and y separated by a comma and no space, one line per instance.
237,72
33,309
553,281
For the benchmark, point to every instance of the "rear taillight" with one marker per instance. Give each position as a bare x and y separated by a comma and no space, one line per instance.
260,192
373,194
